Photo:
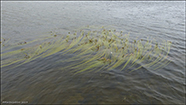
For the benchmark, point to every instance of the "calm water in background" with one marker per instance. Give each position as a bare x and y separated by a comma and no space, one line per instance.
41,82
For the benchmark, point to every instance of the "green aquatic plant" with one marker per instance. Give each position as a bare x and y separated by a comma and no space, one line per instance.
93,50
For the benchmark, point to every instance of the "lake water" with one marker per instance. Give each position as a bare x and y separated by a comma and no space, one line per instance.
42,82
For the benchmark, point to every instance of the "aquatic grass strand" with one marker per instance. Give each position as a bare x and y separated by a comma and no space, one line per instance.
91,49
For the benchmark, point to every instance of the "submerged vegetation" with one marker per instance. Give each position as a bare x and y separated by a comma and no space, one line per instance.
93,50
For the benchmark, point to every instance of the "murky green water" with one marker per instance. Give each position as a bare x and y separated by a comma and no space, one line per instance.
44,81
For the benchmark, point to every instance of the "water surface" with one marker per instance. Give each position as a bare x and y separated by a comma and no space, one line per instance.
43,81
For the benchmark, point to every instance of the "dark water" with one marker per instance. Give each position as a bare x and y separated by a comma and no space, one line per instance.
42,81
